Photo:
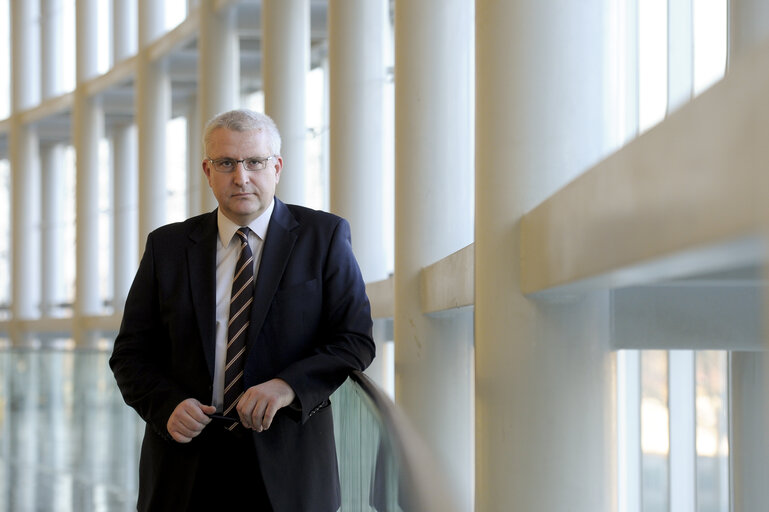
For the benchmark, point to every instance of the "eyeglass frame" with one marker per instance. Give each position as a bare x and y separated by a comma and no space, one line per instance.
243,162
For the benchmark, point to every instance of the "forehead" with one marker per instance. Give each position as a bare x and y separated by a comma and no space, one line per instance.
252,142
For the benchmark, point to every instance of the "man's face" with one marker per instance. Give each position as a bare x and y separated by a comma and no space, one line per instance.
242,195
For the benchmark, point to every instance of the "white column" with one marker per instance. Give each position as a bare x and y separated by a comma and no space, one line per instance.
52,243
356,79
218,79
545,378
749,371
748,26
124,29
125,219
51,37
52,158
24,163
153,110
25,55
285,63
434,218
88,126
25,210
356,88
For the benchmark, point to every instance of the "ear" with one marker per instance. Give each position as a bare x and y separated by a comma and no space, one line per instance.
278,168
207,169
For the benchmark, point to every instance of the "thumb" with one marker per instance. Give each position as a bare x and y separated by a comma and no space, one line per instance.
208,409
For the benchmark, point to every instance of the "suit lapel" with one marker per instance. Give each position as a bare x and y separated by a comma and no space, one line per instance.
201,255
277,249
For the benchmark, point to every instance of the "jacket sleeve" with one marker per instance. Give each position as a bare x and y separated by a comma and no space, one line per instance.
344,340
140,349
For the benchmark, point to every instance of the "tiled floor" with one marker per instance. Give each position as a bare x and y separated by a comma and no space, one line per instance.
68,443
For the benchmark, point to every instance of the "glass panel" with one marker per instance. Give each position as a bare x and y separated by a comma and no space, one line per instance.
712,432
710,42
317,140
176,168
175,13
67,440
655,431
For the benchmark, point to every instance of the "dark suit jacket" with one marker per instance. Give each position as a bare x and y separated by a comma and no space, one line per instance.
310,326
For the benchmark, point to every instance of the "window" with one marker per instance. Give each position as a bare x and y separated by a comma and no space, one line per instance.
673,452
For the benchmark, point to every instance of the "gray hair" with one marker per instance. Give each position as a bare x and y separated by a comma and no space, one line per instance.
244,120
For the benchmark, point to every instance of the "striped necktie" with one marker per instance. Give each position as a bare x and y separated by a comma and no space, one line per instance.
240,312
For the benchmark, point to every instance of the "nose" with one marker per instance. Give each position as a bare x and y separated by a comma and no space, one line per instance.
240,174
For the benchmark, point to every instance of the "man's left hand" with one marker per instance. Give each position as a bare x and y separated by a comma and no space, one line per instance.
259,404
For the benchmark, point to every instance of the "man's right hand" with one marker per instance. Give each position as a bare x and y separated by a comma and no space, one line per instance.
188,420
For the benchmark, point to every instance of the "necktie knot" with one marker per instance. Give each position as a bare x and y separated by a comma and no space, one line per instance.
242,233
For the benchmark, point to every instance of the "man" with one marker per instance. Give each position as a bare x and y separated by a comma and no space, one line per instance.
300,324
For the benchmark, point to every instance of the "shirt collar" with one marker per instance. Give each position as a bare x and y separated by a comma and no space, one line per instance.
259,225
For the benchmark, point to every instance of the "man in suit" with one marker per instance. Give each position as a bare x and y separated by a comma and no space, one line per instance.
305,326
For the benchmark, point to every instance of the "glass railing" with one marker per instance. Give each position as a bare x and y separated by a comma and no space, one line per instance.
383,465
69,443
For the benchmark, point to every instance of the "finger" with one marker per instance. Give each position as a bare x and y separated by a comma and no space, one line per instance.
198,415
258,415
188,428
269,415
245,409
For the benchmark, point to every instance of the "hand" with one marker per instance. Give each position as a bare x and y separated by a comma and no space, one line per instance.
259,404
188,420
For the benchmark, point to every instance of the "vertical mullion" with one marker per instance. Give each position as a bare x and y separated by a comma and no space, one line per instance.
629,430
683,455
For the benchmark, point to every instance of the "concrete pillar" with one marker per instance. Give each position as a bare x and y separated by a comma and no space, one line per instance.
356,78
285,63
124,29
218,80
748,26
51,35
125,219
88,127
25,55
356,87
52,242
749,371
25,165
434,218
153,110
545,377
25,211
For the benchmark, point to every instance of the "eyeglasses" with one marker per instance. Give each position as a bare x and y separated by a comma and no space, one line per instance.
251,164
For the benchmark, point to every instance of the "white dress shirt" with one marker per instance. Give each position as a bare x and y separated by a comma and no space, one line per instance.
227,253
